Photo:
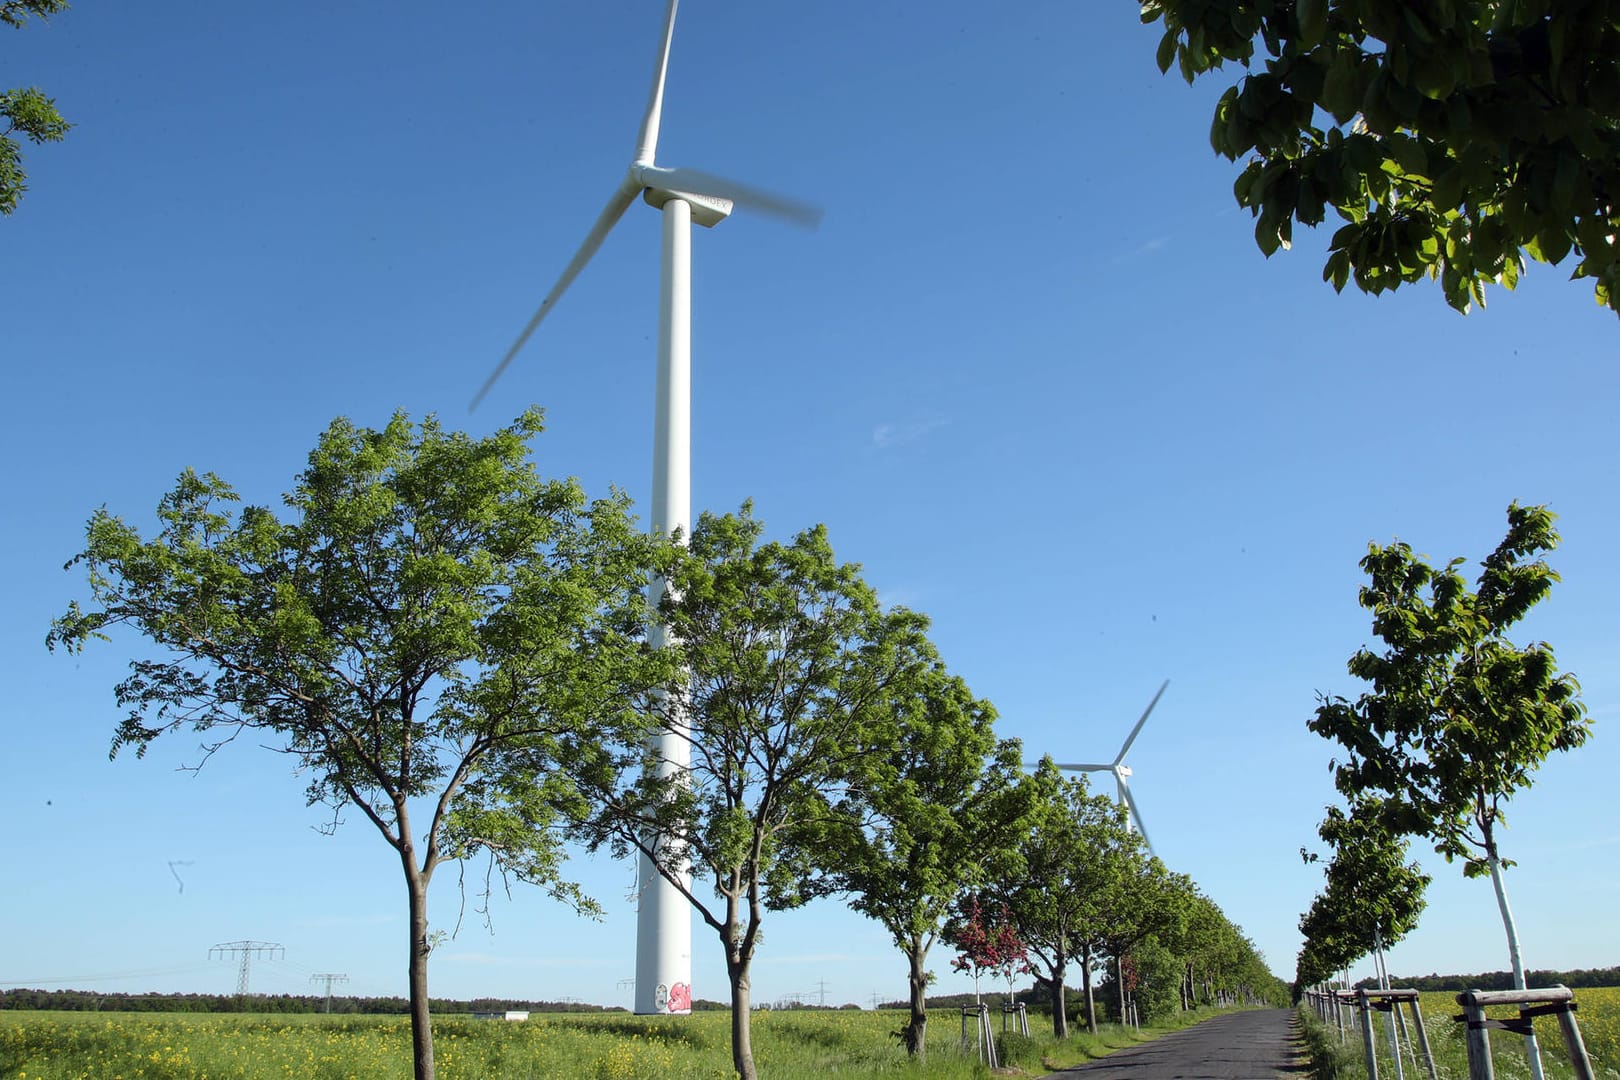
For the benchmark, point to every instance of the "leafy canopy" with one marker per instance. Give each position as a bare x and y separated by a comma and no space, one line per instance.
432,620
1452,137
1458,718
935,812
1372,897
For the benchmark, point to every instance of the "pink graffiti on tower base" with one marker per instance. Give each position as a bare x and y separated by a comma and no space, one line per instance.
680,998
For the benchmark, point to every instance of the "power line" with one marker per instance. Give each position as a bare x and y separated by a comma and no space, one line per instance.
247,950
111,976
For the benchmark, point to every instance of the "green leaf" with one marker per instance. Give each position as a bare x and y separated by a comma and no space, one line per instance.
1267,236
1166,54
1549,247
1312,16
1341,89
1408,153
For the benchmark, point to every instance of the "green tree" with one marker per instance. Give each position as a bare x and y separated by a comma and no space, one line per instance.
932,815
1080,860
1219,961
1458,717
1152,903
1377,893
1371,899
1452,138
792,668
434,632
26,111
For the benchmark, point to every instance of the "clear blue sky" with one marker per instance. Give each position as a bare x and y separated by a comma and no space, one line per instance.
1031,372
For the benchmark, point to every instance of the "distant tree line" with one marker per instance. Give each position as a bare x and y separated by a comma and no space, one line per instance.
92,1001
1503,980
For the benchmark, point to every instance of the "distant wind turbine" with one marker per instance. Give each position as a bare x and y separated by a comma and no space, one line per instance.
1122,770
664,920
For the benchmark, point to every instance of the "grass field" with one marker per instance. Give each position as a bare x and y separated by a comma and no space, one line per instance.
1598,1016
807,1045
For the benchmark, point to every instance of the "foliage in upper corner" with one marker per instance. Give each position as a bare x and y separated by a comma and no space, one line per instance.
26,110
1453,137
16,12
1458,717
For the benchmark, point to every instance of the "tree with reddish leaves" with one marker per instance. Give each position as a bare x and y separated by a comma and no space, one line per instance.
986,942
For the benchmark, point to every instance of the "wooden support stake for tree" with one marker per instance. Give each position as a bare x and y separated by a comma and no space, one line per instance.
1558,1000
1364,1009
1579,1062
1478,1038
1423,1038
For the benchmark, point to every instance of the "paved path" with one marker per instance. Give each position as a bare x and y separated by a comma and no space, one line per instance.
1253,1045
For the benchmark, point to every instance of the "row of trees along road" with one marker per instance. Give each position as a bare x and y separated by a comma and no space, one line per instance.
456,647
1457,719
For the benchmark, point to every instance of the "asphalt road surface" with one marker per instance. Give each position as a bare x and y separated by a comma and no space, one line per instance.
1253,1045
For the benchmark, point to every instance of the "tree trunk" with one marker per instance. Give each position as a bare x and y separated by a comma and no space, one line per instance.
915,1033
1060,1001
1091,1000
421,1022
742,1040
1531,1050
1119,978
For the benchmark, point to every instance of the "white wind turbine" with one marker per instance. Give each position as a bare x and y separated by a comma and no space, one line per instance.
663,919
1122,770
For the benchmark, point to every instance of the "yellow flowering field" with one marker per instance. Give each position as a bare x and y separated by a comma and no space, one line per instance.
1599,1018
180,1046
788,1045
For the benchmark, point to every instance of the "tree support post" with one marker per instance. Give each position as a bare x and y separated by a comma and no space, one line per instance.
1423,1038
1554,1000
983,1036
1364,1011
1342,1000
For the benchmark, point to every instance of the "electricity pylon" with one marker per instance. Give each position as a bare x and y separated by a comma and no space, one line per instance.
329,979
247,950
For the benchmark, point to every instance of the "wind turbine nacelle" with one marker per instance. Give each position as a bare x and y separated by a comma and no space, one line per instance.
707,210
1122,770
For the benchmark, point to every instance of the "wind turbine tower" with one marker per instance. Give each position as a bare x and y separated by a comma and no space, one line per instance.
685,197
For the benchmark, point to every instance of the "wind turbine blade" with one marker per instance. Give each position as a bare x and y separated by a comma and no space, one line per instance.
786,207
1085,768
1136,815
647,140
610,216
1135,730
